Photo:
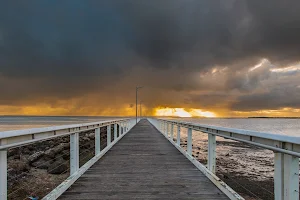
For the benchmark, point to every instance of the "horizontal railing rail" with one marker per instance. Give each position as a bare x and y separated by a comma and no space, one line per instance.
16,138
286,152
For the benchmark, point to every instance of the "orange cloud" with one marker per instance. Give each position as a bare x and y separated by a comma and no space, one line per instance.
181,112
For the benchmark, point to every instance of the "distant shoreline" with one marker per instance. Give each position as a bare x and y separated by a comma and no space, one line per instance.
276,117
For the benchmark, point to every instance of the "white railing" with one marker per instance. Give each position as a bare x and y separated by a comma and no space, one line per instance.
12,139
285,148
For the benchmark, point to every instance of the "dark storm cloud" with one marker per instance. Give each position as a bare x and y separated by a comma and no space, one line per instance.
275,99
69,48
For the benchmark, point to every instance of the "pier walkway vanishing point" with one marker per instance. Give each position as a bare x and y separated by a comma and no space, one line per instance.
146,161
143,165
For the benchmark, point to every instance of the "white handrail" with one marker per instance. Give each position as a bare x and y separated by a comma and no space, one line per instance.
272,136
14,133
286,152
17,138
270,141
14,138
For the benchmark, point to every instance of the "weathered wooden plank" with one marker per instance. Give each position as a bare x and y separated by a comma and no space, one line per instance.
143,165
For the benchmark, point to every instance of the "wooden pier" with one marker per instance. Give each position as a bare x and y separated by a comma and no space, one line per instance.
143,165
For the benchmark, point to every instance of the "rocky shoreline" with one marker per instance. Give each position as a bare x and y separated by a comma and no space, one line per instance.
36,169
246,169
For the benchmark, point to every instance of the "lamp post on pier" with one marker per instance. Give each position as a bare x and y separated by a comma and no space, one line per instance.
136,102
141,109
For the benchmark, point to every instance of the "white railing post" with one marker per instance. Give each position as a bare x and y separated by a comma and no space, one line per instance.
74,152
286,176
167,130
97,141
120,130
160,126
121,127
178,135
172,132
115,132
189,142
278,176
108,134
211,163
3,174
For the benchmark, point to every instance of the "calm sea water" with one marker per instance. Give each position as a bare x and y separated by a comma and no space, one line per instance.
268,125
22,122
277,126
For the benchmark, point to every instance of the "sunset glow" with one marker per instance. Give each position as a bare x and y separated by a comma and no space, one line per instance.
181,112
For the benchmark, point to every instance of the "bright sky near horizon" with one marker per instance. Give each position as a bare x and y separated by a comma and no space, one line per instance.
222,58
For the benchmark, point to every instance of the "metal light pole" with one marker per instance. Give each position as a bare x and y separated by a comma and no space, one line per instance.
141,109
136,102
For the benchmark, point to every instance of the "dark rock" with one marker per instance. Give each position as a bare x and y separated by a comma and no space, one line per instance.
34,157
12,152
58,167
227,154
91,135
16,157
85,139
16,168
41,164
56,150
18,165
66,154
26,151
30,147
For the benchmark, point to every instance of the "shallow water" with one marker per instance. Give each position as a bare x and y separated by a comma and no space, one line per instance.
268,125
26,122
276,125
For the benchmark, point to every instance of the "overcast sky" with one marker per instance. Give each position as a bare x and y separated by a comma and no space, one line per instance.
74,57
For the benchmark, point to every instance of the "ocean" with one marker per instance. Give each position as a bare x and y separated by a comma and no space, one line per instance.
26,122
282,126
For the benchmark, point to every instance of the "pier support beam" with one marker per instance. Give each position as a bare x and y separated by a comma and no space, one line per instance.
211,163
178,135
74,153
286,176
3,174
189,142
108,134
97,141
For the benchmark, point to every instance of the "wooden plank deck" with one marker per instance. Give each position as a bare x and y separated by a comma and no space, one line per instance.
143,165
